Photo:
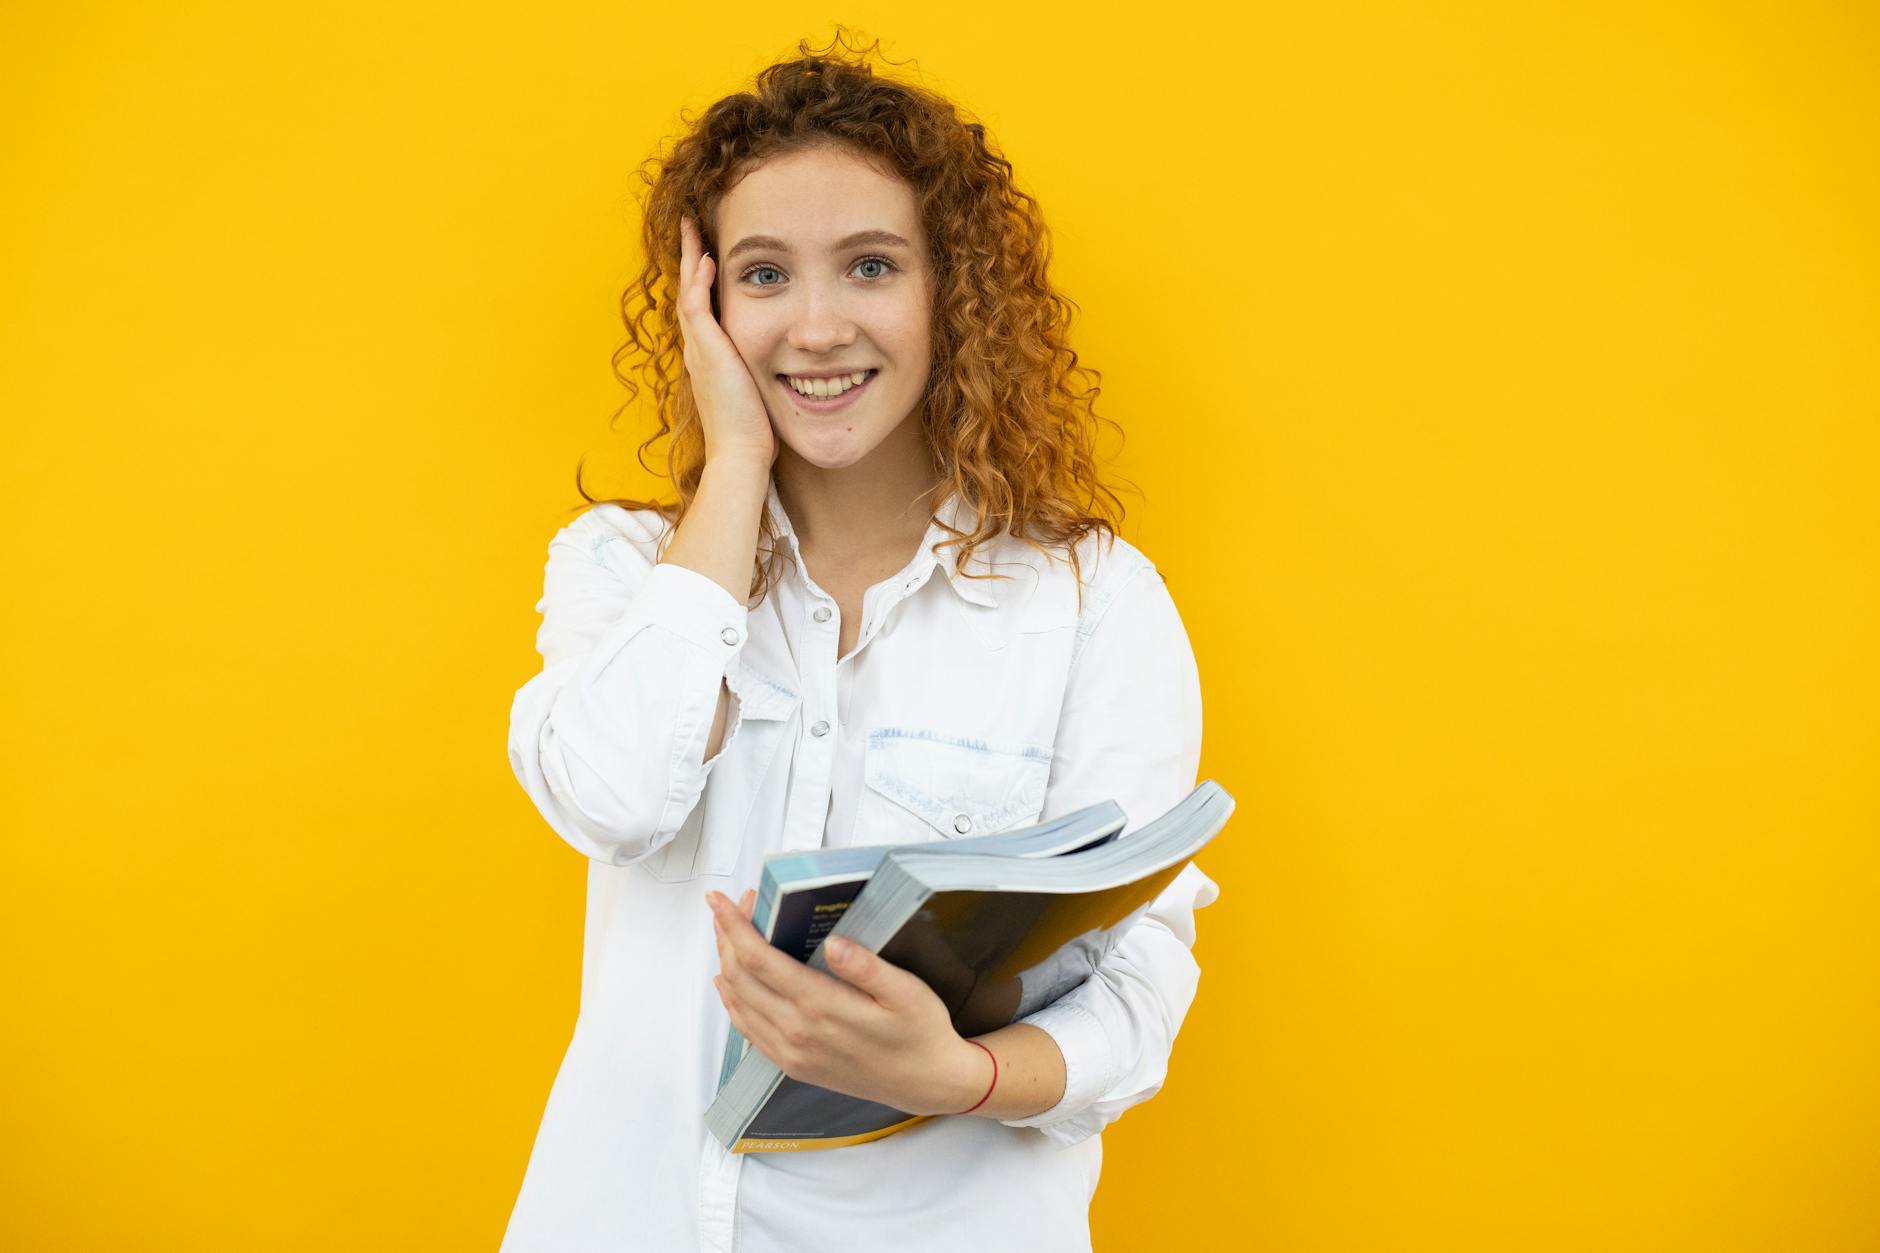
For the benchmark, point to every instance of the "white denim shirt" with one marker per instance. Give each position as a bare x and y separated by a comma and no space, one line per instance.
966,707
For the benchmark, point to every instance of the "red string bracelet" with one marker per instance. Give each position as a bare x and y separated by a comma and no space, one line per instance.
995,1075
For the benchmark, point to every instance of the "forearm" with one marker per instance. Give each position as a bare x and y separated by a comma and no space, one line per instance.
1031,1073
604,739
718,535
718,539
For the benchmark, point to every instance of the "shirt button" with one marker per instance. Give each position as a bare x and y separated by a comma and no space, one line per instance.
821,614
729,635
962,823
819,728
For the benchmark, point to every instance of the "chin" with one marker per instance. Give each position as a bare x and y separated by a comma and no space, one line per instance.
829,454
832,448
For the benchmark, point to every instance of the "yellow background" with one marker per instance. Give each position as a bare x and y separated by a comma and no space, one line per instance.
1501,386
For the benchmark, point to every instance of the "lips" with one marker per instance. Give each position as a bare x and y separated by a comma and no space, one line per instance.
825,404
845,377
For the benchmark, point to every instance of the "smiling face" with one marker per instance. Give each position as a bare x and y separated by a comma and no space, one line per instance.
822,278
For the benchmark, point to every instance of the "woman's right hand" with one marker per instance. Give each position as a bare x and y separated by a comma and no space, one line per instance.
737,426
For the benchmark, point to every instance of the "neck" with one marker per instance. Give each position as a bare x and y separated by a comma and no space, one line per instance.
883,501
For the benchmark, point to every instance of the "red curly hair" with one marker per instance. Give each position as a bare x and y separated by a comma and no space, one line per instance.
1008,412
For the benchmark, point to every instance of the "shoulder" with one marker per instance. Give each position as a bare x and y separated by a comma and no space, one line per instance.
1108,570
1124,596
1124,624
1110,567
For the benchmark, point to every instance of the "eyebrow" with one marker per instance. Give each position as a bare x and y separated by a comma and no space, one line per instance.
886,239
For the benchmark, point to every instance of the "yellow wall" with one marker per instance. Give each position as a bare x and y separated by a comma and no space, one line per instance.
1501,385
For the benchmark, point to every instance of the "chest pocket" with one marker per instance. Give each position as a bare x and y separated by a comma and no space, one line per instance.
711,837
923,785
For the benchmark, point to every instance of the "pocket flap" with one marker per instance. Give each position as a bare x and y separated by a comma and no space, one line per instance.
958,785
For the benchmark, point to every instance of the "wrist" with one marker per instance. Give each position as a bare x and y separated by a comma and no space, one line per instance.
749,470
979,1072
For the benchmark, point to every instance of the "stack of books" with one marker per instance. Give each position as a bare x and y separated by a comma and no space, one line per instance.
999,926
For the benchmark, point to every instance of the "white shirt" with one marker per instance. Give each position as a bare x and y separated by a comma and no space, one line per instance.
966,707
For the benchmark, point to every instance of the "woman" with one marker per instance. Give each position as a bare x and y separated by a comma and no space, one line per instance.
887,606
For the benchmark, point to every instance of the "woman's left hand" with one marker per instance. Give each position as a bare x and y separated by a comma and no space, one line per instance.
876,1031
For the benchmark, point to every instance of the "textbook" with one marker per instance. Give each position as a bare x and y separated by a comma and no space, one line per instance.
998,936
804,894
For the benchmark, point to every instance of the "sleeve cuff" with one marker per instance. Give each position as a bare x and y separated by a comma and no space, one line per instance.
692,606
1089,1066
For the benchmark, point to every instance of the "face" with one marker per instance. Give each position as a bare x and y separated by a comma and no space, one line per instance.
822,274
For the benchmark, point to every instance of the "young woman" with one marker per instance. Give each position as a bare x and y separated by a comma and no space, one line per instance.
888,605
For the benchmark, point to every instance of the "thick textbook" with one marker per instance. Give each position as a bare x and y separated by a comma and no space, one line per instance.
804,894
997,934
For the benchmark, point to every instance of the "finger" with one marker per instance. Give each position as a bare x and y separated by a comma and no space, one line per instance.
751,1023
748,902
870,973
787,1016
701,260
778,984
737,984
694,298
764,972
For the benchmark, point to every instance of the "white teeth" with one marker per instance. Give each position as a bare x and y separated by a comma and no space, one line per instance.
827,387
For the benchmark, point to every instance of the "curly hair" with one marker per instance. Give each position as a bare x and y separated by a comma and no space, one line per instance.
1008,413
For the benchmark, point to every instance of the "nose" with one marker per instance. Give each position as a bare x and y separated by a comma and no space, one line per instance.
821,323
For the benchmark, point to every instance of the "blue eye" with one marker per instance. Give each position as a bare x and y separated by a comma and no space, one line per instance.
749,276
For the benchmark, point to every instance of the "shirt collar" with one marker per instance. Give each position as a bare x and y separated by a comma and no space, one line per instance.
952,511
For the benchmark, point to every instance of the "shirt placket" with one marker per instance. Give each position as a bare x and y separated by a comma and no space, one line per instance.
718,1196
885,597
804,820
808,805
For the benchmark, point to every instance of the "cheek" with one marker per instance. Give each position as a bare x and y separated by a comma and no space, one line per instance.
912,331
747,334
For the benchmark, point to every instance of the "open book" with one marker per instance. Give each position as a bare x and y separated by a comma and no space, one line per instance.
998,926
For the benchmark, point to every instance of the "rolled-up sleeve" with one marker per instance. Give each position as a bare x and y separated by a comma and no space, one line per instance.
1130,731
608,739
